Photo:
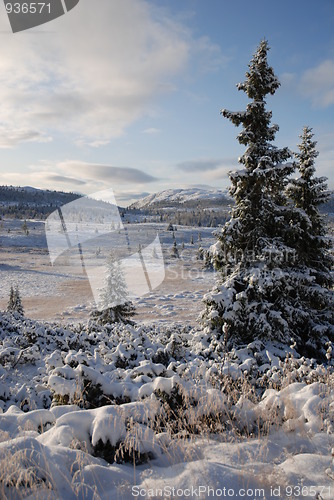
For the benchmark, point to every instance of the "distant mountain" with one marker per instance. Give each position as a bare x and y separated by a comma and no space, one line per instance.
29,202
194,207
186,198
30,188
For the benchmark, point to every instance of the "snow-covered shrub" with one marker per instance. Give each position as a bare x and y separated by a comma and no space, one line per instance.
134,446
121,313
198,388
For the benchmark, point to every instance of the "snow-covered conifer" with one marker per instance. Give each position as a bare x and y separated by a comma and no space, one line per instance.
309,235
15,302
11,301
263,289
114,305
18,302
308,193
174,251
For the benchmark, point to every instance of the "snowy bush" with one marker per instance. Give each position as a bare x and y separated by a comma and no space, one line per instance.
140,395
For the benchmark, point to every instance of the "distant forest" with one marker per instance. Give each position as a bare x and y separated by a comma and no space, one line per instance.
29,203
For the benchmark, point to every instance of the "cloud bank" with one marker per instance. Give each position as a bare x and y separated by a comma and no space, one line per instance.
205,165
318,84
92,73
78,175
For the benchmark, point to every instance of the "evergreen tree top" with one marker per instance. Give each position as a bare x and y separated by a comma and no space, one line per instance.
308,191
260,79
258,132
307,153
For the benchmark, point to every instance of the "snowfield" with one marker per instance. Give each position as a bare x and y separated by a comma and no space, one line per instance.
126,411
63,290
154,410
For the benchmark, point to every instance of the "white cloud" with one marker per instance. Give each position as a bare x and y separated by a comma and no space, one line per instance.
318,84
206,165
209,55
104,173
152,131
9,138
73,175
287,79
221,174
92,72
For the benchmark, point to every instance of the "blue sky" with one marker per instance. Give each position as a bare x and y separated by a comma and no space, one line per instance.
126,94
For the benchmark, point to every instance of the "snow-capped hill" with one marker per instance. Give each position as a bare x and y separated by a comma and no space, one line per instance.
172,197
31,189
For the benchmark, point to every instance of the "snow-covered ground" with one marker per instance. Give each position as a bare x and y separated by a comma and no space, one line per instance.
152,410
151,413
63,290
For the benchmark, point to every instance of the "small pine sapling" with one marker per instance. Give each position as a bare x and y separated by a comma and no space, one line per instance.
174,251
15,302
114,305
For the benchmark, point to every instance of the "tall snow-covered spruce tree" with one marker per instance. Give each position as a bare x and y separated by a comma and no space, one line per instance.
264,291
